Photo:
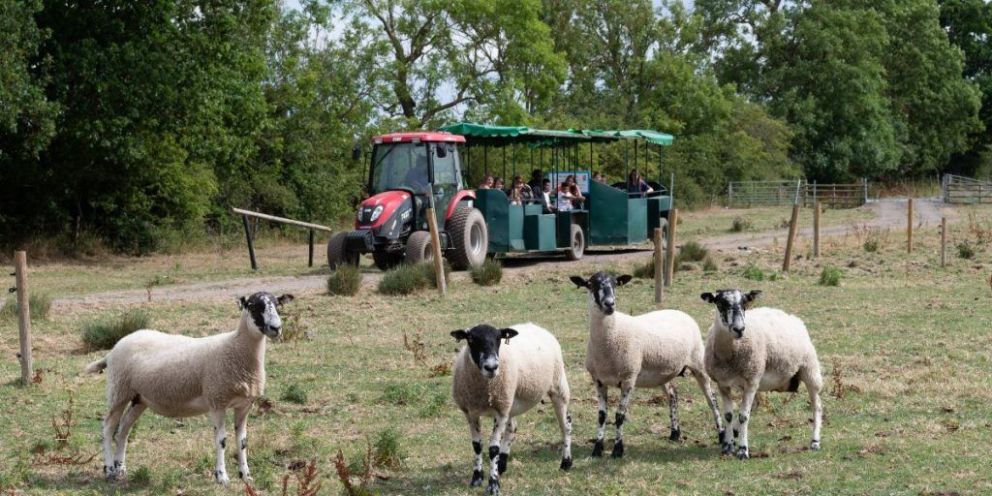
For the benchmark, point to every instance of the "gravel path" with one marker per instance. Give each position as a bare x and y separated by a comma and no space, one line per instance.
889,213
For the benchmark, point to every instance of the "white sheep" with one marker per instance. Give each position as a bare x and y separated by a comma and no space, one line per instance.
765,349
180,376
644,351
504,382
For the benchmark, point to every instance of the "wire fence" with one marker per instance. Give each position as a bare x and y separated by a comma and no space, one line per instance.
745,194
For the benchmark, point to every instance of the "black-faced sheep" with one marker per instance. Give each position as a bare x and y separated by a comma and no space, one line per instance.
180,376
644,351
764,349
504,382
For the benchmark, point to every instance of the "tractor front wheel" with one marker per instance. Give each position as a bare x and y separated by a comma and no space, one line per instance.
469,238
337,253
418,248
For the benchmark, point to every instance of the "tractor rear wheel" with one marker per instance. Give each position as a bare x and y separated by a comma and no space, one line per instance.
469,238
418,248
337,253
577,243
385,260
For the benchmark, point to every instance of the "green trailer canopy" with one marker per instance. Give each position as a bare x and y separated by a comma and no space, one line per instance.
505,135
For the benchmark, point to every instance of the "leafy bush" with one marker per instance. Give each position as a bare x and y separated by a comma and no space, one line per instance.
386,450
709,265
39,303
103,335
754,273
871,245
428,268
691,252
142,476
488,274
830,276
741,224
404,279
294,394
965,250
345,281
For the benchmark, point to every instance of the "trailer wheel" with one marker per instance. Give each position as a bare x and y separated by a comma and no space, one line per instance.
469,238
577,243
418,248
337,254
385,261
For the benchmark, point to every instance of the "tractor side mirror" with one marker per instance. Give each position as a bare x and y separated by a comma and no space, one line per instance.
442,151
356,153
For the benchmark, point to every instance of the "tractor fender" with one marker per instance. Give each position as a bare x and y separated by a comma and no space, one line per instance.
455,200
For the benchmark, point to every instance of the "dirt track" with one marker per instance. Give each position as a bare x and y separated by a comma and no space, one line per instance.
890,213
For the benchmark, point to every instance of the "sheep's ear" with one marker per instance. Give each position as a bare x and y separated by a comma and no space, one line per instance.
708,297
284,299
459,335
624,279
242,303
507,334
750,297
579,281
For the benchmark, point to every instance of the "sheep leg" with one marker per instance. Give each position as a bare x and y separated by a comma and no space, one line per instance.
704,384
476,432
727,439
504,446
813,385
673,411
110,423
744,418
241,431
125,430
220,443
603,394
499,426
626,391
565,424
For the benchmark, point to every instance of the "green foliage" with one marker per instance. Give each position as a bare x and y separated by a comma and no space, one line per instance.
966,250
488,274
345,281
141,477
691,252
294,394
645,271
39,303
741,224
404,279
431,278
386,450
754,273
871,245
830,276
104,334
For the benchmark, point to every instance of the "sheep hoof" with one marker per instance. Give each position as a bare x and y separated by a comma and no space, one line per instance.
676,435
727,448
742,453
493,488
617,450
597,449
501,462
245,477
476,479
222,477
566,463
815,445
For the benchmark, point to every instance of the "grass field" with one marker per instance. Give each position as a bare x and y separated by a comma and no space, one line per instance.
718,220
904,346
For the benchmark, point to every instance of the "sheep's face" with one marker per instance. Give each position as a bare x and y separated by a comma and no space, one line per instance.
730,306
602,289
483,345
260,310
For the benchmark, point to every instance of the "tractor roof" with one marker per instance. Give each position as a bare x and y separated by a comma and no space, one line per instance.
422,136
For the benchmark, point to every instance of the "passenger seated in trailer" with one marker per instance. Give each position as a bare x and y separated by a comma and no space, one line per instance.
487,182
498,184
569,195
545,196
573,189
536,180
599,178
635,184
520,192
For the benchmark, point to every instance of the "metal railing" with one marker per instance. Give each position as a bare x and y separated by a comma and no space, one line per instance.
745,194
965,190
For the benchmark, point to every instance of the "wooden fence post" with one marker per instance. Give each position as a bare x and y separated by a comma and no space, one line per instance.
251,245
436,248
793,224
659,262
23,316
816,228
943,241
909,226
310,259
673,220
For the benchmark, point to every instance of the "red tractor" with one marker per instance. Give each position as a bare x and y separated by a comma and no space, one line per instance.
410,172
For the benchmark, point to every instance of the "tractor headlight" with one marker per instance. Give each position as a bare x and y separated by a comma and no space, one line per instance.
376,213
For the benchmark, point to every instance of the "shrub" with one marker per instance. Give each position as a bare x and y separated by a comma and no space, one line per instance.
754,273
830,276
386,450
709,265
103,335
404,279
691,252
645,271
741,224
345,281
142,476
488,274
871,245
294,394
965,250
430,277
39,303
402,393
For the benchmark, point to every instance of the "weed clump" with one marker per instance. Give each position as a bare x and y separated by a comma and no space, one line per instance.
741,224
103,335
39,304
691,252
754,273
141,477
431,277
404,279
386,450
871,245
830,276
294,394
709,265
345,281
645,271
966,250
490,273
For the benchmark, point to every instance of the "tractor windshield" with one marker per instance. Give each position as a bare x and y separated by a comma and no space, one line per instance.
400,165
